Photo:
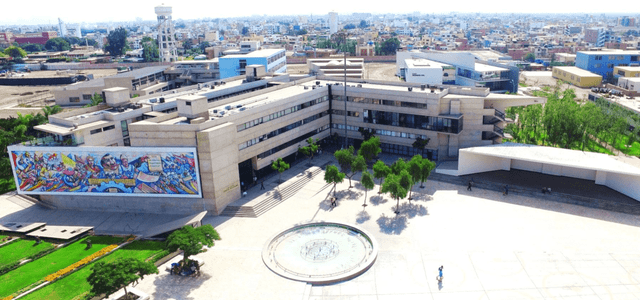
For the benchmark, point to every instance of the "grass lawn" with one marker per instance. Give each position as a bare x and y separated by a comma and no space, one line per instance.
36,270
621,144
76,284
21,249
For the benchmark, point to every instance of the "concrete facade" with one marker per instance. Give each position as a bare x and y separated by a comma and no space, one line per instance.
577,76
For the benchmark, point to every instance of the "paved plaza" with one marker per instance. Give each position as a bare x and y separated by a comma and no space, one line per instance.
491,246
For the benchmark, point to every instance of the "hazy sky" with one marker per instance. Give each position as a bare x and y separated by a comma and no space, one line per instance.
73,11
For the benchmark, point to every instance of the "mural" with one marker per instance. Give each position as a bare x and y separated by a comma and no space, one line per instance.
106,170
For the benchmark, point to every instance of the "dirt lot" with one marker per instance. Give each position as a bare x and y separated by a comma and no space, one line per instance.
541,79
377,71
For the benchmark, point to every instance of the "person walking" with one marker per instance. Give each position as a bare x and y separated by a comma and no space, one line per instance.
506,190
469,186
262,185
440,273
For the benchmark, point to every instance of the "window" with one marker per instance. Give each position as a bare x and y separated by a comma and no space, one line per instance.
74,99
127,142
109,127
95,131
188,103
86,97
612,57
243,63
610,66
598,57
125,128
597,66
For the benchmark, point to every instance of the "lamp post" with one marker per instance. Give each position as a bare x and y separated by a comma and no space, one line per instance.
345,98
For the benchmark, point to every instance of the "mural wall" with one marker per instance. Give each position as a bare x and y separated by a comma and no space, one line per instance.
133,171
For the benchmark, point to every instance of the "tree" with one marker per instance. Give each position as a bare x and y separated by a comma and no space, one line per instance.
390,46
15,52
96,100
150,52
332,175
405,180
425,171
203,46
280,165
187,44
398,166
381,171
367,183
301,32
310,149
51,110
415,170
191,240
32,47
358,165
530,57
420,143
57,44
117,42
394,188
345,158
370,148
350,26
107,278
366,133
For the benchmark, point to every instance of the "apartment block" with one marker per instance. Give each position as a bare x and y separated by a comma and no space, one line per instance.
577,76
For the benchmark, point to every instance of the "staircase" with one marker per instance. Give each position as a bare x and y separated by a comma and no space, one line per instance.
278,196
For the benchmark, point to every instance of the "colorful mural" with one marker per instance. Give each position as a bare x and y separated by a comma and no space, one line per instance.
106,170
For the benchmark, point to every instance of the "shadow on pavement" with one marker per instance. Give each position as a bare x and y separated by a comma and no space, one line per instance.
362,217
377,200
177,287
394,224
412,210
350,194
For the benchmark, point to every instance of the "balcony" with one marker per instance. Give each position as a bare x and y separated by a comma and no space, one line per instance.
497,117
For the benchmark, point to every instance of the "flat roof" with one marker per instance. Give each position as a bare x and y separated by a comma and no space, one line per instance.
632,79
630,69
556,156
184,62
143,72
63,130
257,53
421,62
20,227
577,71
60,232
611,52
488,68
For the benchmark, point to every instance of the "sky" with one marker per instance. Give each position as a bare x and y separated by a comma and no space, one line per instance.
73,11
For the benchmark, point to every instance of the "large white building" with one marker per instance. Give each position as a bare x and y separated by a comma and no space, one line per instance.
166,39
333,22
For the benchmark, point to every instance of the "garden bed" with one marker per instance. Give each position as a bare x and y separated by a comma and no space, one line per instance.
33,272
12,254
75,285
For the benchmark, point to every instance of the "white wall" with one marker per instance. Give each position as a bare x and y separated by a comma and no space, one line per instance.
526,165
626,184
469,163
424,75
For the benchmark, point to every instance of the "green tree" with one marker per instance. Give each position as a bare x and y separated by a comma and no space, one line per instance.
32,47
405,180
370,148
57,44
367,183
394,188
117,42
310,149
15,52
390,46
425,171
530,57
366,133
150,52
96,100
108,278
358,165
381,171
192,240
51,110
345,158
398,166
415,170
332,175
420,143
280,165
203,46
187,45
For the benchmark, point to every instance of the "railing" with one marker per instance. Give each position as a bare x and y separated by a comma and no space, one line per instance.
500,115
498,130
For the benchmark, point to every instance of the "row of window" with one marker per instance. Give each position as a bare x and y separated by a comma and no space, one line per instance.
225,96
281,113
282,130
98,130
432,155
413,121
382,102
349,113
292,142
277,67
275,57
381,132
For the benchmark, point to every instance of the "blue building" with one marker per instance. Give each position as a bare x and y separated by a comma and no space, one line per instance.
274,60
603,62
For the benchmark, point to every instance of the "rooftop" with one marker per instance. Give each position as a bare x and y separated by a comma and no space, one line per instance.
257,53
421,62
138,73
487,68
611,52
577,71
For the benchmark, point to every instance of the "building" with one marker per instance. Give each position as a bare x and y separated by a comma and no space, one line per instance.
626,71
62,28
35,38
626,21
473,68
193,149
366,50
598,36
211,36
577,76
166,34
6,38
274,60
425,71
333,22
566,58
335,67
630,84
570,30
188,72
138,82
603,62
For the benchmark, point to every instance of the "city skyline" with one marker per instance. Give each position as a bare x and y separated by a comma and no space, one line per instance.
43,13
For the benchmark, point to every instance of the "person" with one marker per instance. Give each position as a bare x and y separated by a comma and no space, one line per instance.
544,190
262,185
333,202
549,190
469,186
506,190
242,186
440,273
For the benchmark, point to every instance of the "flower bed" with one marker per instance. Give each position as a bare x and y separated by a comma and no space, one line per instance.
83,261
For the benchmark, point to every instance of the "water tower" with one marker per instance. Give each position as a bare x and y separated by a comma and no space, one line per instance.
166,34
